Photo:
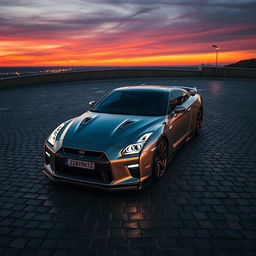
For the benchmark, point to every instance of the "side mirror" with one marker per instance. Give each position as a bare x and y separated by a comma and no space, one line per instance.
92,103
179,109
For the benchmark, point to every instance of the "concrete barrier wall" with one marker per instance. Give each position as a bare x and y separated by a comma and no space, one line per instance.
227,72
126,73
95,75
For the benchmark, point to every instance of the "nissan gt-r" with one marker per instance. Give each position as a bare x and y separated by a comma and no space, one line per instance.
126,139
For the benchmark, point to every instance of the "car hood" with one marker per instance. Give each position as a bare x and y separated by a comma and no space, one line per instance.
107,130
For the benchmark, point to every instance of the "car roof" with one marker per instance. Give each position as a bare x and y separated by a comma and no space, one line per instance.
153,88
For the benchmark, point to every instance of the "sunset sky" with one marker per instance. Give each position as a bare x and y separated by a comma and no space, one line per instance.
130,32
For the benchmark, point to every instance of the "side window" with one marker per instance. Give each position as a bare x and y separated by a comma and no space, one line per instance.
176,98
185,96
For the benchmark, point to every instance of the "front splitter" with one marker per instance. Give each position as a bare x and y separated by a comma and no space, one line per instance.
124,186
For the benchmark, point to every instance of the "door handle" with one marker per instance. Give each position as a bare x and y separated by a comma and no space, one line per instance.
189,109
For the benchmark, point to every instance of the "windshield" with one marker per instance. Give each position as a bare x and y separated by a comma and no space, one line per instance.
143,103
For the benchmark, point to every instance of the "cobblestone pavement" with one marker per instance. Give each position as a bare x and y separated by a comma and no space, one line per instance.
205,204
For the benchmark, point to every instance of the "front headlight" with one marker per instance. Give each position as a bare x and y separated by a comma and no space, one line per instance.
135,148
54,134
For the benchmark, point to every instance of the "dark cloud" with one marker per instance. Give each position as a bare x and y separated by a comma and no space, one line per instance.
163,27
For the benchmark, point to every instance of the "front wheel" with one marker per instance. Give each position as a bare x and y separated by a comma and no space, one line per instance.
160,159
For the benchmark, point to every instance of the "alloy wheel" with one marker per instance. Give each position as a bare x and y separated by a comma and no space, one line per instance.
160,159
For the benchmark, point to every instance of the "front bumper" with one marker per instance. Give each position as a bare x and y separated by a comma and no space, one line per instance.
133,184
108,174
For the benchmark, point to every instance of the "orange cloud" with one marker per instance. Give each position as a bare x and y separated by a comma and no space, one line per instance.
132,34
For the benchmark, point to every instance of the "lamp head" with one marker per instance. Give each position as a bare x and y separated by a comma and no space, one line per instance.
215,46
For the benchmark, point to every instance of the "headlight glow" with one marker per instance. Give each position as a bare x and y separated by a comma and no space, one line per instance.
54,134
135,148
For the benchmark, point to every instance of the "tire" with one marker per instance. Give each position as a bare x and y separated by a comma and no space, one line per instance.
199,122
160,160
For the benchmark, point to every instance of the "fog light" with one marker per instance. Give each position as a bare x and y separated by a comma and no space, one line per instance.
133,166
47,158
134,170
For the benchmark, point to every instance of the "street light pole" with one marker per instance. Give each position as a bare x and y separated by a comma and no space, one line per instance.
217,52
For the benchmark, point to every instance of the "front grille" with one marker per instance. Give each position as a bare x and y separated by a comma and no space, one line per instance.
102,172
88,154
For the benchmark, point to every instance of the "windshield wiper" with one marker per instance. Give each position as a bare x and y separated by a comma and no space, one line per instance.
120,113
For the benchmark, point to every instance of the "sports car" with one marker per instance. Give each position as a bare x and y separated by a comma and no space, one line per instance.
126,139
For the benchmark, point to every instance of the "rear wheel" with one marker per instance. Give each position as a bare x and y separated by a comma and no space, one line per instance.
199,121
160,159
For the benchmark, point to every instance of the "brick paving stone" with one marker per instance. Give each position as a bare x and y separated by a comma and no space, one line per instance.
187,232
142,243
83,244
60,253
12,252
98,243
185,252
5,231
106,252
134,233
117,243
5,241
168,243
27,252
35,243
43,252
18,243
202,243
49,243
205,204
249,234
200,216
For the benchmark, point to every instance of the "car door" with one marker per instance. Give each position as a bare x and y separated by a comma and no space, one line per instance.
178,122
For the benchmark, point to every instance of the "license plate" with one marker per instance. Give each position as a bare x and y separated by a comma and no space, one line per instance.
80,164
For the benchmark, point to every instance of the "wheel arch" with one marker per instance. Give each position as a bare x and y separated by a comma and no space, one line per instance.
169,146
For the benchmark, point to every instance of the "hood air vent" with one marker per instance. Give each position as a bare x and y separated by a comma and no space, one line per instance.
125,123
86,120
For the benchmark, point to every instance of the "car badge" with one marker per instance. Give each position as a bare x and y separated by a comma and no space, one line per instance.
81,152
